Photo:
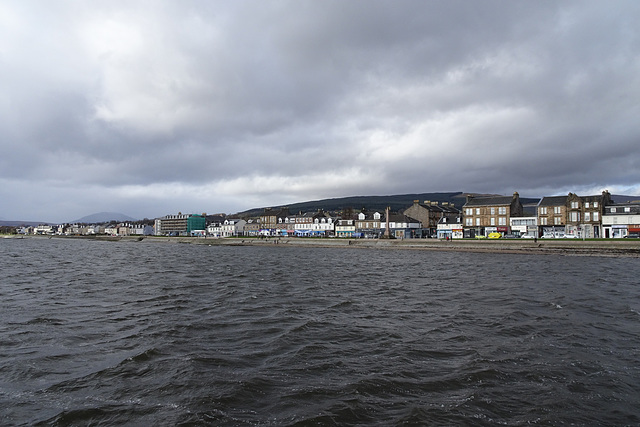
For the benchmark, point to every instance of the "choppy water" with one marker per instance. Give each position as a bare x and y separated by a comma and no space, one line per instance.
136,333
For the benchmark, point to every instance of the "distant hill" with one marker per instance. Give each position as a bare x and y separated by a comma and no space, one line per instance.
22,223
101,217
376,203
617,198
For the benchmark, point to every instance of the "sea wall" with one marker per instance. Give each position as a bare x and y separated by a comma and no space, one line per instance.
610,247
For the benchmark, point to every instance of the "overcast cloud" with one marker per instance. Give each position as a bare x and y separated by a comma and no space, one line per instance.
153,107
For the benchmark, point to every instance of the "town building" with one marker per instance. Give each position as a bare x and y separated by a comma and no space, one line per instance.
324,226
552,216
232,227
490,214
621,220
400,226
271,221
524,226
345,227
572,215
180,225
429,215
286,225
44,229
449,228
252,227
214,229
368,225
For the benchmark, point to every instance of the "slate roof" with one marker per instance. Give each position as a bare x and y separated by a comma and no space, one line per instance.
554,201
398,217
489,201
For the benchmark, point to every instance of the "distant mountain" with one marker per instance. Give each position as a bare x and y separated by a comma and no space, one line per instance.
104,217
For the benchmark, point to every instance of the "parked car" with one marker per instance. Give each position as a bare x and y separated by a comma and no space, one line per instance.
632,236
527,236
510,236
569,236
494,235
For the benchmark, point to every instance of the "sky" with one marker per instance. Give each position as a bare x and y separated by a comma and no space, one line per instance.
151,108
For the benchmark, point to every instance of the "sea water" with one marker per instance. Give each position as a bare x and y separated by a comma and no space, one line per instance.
137,333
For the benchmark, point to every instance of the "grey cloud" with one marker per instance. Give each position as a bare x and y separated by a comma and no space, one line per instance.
414,96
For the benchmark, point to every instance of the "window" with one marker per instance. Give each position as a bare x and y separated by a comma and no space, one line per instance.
469,221
477,211
627,209
587,216
557,209
477,221
613,210
557,220
595,216
574,205
542,211
543,221
575,216
502,221
493,211
595,204
586,205
493,220
502,210
468,211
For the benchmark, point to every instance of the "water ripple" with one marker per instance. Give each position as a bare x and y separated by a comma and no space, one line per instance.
119,333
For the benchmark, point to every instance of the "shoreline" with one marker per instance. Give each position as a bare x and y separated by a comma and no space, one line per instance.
608,248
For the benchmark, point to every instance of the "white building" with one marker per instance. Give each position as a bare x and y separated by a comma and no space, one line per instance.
323,226
621,219
214,229
450,228
524,225
232,227
43,229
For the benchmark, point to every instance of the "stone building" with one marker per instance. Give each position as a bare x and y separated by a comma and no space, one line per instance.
572,215
490,214
430,214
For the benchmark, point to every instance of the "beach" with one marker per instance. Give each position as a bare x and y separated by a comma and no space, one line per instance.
577,247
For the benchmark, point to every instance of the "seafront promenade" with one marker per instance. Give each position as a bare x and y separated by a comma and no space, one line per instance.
602,247
618,247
